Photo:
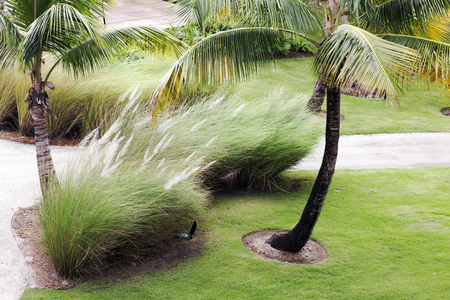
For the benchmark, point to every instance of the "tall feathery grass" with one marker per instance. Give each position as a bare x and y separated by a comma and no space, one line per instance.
138,185
107,203
13,87
81,104
249,143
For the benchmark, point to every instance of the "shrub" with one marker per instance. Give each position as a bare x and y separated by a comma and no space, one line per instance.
12,84
192,34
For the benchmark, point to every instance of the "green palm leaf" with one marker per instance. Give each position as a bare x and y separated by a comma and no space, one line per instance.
354,55
356,8
293,15
24,12
89,55
10,38
57,30
225,56
434,56
403,16
197,11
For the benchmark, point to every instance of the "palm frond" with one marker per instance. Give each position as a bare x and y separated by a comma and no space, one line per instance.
225,56
438,29
10,38
89,55
294,15
57,30
352,55
434,65
196,11
357,8
24,12
403,16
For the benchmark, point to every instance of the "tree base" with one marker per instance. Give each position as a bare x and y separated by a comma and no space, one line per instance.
285,242
312,253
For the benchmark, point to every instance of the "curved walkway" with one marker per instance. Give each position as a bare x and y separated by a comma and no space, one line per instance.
19,186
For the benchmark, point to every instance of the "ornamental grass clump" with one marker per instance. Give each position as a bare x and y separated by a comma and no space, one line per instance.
81,105
106,205
93,217
246,144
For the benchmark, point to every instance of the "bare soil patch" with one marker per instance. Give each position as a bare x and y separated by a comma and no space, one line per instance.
17,137
42,275
297,54
312,253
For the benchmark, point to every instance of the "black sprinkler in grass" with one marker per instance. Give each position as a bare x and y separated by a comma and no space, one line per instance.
187,236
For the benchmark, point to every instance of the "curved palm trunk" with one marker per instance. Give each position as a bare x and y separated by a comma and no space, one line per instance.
294,240
38,107
315,102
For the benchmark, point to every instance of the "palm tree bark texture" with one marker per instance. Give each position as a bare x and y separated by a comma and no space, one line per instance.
315,102
294,240
38,105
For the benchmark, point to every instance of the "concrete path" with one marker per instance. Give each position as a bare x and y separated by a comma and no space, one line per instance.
19,187
156,13
375,151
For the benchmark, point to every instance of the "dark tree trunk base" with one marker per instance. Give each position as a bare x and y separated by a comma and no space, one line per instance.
284,242
296,239
313,253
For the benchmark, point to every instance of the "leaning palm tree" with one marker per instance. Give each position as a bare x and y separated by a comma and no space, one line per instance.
382,48
68,32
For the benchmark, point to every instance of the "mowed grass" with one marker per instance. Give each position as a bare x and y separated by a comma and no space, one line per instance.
419,108
391,243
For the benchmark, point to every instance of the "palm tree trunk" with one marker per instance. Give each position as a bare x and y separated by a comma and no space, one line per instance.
45,165
294,240
316,101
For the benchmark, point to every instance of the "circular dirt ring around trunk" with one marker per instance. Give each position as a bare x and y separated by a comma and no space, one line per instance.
312,253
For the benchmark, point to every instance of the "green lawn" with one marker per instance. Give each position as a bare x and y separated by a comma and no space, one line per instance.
388,244
419,109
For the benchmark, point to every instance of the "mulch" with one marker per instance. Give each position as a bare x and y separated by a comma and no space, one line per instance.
17,137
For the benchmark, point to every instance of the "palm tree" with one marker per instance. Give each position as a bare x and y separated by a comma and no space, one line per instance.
68,32
385,45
